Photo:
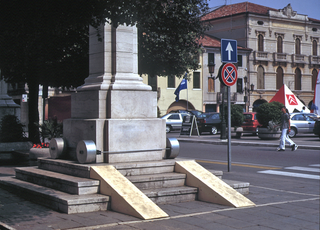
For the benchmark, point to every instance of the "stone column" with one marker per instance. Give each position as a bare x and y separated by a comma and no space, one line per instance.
114,108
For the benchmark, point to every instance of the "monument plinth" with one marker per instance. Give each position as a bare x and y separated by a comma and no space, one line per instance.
114,108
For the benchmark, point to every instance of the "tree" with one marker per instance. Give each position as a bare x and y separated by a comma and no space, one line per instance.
168,41
46,42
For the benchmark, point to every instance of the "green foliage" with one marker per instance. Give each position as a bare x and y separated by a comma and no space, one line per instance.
237,117
168,40
11,130
269,112
51,128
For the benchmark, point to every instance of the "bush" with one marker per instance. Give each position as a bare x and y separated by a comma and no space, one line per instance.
237,117
51,128
11,130
269,112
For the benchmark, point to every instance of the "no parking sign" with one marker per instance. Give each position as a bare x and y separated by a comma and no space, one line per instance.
229,74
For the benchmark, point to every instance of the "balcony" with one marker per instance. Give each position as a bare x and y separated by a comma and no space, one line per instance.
260,56
280,58
233,97
298,59
314,61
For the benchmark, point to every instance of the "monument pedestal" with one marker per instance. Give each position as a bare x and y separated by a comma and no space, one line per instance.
123,124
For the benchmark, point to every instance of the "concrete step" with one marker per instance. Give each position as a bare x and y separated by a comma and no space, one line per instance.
58,181
145,168
163,180
241,187
56,200
171,195
67,167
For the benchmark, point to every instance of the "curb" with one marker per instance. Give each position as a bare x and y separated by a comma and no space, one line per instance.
225,142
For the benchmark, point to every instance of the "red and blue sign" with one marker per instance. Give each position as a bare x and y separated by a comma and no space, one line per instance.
229,74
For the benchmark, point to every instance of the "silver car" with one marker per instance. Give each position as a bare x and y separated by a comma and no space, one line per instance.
301,123
174,121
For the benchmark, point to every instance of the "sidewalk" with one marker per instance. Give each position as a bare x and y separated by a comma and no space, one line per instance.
304,142
275,208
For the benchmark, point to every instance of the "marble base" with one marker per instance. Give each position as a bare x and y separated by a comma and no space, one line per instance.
127,139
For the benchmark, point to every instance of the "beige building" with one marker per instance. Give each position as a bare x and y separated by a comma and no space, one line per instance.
204,91
285,47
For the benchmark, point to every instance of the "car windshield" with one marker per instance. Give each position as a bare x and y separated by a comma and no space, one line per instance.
247,116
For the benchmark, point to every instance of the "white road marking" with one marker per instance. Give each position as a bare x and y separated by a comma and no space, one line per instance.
282,173
307,169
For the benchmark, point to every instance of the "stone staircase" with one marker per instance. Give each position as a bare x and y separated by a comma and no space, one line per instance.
66,186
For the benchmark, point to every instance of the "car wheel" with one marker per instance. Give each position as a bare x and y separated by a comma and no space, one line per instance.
168,129
293,132
214,130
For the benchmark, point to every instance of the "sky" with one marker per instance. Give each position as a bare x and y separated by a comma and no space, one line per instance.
311,8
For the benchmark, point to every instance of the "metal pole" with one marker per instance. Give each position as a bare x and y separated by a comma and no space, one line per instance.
223,120
229,131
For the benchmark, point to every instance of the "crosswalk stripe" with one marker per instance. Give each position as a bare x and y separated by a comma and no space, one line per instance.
282,173
315,165
303,169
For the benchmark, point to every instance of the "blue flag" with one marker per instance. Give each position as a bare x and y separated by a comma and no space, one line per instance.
183,85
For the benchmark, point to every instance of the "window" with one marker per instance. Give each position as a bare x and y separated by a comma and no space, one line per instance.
260,78
196,80
260,42
298,45
314,78
279,44
174,117
171,82
210,84
210,58
152,81
297,79
239,61
279,80
314,48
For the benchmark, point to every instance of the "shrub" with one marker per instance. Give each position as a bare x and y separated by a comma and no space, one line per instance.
51,128
269,112
11,130
237,117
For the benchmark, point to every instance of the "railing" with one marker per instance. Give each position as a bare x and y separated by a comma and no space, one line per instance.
260,56
314,60
280,57
298,58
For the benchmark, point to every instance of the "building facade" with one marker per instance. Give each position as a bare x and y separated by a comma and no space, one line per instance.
205,92
284,43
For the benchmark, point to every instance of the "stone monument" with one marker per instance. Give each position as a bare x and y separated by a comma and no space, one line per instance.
114,108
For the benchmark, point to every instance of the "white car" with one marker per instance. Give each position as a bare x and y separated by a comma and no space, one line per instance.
174,121
301,123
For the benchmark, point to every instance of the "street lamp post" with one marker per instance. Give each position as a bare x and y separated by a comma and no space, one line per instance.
247,92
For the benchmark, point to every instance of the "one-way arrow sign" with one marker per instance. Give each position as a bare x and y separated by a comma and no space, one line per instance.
229,51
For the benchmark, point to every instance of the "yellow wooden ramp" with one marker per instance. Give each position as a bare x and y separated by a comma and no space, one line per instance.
125,197
211,188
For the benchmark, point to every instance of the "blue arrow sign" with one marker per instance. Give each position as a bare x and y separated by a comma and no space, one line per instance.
229,51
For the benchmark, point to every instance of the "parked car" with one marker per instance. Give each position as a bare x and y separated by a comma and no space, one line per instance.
174,121
316,127
301,123
190,112
209,122
250,123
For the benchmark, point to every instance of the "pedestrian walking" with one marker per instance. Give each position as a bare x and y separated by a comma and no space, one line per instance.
285,127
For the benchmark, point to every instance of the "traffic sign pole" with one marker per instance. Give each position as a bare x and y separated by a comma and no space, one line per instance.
229,131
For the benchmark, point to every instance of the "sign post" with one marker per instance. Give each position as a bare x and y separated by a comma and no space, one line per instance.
228,77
